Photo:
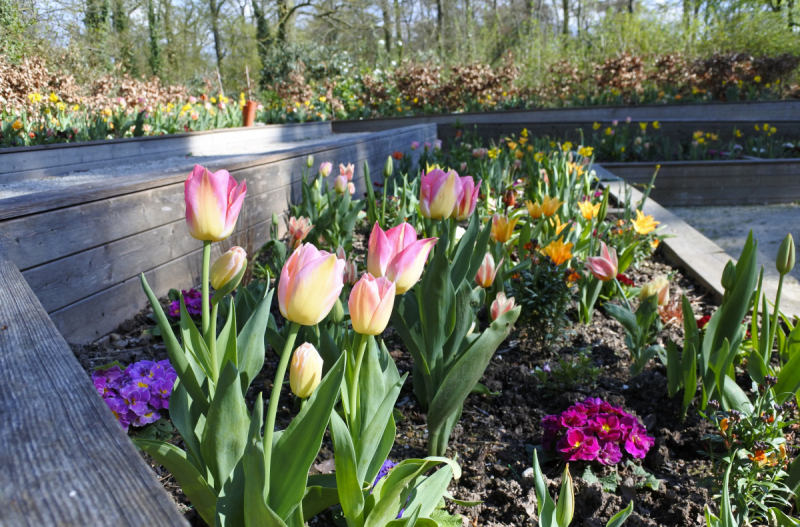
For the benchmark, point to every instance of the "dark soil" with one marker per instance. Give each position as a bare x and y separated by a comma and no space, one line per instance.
494,438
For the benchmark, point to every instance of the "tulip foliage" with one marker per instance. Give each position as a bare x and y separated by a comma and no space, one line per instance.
434,322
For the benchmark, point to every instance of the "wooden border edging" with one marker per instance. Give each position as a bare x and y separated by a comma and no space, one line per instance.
65,460
30,162
737,182
702,259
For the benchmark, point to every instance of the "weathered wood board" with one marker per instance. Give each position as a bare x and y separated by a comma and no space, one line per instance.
65,460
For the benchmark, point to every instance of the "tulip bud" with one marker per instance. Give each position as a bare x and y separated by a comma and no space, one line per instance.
729,275
370,303
351,188
306,370
439,193
213,202
310,283
227,267
325,168
566,500
388,168
487,271
310,161
340,184
786,256
350,272
658,287
501,305
601,214
337,312
275,220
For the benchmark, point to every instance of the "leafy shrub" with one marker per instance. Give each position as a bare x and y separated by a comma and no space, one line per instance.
544,294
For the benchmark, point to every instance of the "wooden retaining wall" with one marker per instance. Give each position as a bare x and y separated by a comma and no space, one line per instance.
81,249
678,121
65,460
28,162
743,182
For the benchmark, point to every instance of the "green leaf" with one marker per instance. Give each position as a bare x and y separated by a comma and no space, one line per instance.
624,317
321,493
230,505
225,434
232,284
367,443
726,514
299,444
349,484
382,451
788,379
464,318
437,317
428,494
466,372
619,518
251,342
463,257
481,389
689,365
197,490
780,519
226,341
189,421
177,358
674,371
193,341
545,505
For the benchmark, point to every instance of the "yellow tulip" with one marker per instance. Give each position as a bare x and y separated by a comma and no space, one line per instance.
227,267
550,205
588,210
534,209
305,373
644,224
558,251
370,303
310,283
502,227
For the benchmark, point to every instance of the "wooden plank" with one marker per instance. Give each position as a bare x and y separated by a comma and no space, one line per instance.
22,163
755,111
717,182
79,219
66,461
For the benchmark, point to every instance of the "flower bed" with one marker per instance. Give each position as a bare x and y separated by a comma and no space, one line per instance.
472,283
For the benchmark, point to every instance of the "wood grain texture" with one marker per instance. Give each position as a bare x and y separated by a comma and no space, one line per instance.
17,164
743,182
65,460
86,258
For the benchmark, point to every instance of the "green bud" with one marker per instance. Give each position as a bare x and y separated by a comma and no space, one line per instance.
388,168
337,313
729,275
275,220
566,500
786,256
601,214
310,161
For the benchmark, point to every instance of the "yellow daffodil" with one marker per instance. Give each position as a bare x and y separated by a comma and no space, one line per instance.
552,144
558,251
698,134
757,79
772,130
524,132
643,126
322,99
534,209
35,97
512,145
586,151
16,125
523,140
737,133
588,210
656,125
566,147
575,167
519,154
550,205
609,131
493,153
701,140
644,224
53,97
538,157
596,126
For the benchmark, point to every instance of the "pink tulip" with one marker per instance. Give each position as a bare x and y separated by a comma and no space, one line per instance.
325,168
414,145
340,254
351,272
501,305
603,267
310,283
487,271
351,188
340,184
398,255
370,303
439,193
298,230
467,199
213,202
347,170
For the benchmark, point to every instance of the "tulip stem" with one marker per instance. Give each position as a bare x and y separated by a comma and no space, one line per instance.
774,327
204,303
275,396
212,342
362,345
383,205
621,292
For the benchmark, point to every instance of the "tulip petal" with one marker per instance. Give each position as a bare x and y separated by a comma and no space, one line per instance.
406,267
380,252
315,288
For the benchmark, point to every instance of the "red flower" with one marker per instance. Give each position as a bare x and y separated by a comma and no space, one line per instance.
398,155
624,279
702,321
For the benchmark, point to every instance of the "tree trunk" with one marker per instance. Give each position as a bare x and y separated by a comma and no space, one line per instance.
565,7
440,27
153,23
398,30
215,9
387,27
630,6
263,36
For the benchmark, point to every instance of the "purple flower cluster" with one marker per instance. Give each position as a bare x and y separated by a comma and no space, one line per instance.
137,395
194,303
594,430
